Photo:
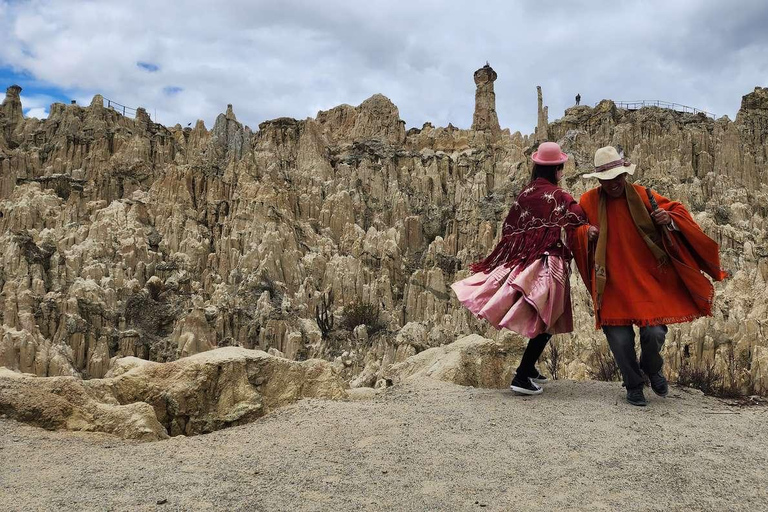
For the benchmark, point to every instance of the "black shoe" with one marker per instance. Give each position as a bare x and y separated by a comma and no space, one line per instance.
635,396
538,378
525,386
659,384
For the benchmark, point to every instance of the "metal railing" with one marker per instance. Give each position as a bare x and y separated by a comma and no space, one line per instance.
638,104
120,108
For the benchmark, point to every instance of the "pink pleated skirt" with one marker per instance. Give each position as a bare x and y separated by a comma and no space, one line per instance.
529,301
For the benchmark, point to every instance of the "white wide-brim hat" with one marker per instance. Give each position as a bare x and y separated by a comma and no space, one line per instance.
609,164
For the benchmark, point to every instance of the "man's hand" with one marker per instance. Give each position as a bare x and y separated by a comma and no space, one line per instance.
661,217
593,233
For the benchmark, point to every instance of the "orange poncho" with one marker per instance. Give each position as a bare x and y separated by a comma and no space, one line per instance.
639,291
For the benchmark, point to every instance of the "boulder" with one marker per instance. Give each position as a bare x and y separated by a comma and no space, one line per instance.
150,401
469,361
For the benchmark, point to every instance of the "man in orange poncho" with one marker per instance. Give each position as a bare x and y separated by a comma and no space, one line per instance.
642,258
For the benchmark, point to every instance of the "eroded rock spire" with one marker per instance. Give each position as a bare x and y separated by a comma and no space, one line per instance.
11,105
542,126
485,117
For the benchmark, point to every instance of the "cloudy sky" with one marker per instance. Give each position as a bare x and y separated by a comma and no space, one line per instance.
187,59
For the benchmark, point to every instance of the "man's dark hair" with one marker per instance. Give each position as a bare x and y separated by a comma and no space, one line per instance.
548,172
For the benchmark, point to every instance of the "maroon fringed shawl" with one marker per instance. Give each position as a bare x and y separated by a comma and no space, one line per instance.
533,226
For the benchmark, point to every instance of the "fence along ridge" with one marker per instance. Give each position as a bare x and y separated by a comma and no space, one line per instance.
638,104
122,109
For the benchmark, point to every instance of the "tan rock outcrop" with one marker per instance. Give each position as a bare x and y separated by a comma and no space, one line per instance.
375,118
469,361
150,401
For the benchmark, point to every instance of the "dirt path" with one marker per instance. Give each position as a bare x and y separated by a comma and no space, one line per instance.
424,446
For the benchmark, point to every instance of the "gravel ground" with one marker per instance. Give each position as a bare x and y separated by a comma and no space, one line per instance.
423,446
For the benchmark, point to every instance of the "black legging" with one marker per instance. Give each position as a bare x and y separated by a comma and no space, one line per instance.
532,353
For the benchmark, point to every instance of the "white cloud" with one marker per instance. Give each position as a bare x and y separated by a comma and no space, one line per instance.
35,101
291,58
40,113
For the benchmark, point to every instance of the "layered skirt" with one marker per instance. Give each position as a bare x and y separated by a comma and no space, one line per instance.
528,300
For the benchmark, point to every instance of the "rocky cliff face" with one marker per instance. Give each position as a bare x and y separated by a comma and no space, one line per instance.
121,237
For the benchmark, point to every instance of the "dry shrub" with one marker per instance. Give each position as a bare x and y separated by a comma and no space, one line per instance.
553,359
705,378
362,313
714,382
605,367
324,315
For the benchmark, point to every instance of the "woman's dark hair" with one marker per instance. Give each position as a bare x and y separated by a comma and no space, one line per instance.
548,172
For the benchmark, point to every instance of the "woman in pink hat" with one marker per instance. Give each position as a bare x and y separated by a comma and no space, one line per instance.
523,284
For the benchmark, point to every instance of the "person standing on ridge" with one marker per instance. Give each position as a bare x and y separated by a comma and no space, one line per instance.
578,99
523,284
642,260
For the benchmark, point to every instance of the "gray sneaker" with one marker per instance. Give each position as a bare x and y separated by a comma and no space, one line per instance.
659,384
635,396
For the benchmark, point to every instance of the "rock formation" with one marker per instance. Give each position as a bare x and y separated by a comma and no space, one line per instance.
470,361
149,401
11,114
542,124
11,106
485,117
121,237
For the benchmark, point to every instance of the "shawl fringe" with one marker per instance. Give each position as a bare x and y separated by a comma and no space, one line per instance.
691,254
660,320
646,322
533,226
518,249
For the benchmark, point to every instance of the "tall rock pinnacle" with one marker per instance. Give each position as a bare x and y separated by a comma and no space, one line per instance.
485,117
542,126
11,105
11,114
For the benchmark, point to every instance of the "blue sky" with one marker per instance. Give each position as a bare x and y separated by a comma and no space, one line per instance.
187,60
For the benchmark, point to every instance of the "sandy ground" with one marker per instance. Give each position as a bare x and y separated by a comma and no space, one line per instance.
423,446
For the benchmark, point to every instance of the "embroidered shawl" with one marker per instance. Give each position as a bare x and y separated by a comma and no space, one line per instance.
533,225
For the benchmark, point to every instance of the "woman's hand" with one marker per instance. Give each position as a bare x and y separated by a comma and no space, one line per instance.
593,233
661,217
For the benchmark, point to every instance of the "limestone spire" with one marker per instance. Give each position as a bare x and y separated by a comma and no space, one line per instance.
230,113
11,105
485,117
542,126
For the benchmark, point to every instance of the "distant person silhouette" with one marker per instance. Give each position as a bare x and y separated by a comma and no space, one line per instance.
578,99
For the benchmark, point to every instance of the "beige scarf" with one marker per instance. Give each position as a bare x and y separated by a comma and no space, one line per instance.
644,225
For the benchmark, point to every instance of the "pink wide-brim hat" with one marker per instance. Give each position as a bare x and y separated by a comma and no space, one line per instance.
549,154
